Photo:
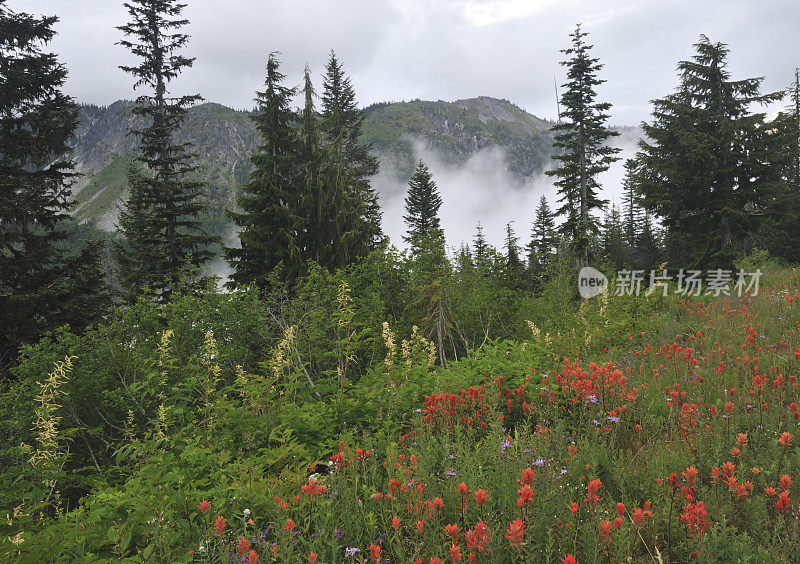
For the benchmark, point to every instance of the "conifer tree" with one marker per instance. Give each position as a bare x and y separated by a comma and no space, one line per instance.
705,161
581,137
480,245
264,213
165,196
543,239
331,225
422,206
42,283
342,121
632,212
614,247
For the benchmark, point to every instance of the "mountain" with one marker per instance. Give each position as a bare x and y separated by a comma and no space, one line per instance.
224,138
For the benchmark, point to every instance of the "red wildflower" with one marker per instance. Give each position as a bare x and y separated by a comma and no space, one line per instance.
785,481
785,440
694,515
420,525
528,476
243,546
673,480
453,532
741,438
312,557
573,507
313,488
455,553
290,525
638,516
782,503
395,522
593,488
219,525
728,469
605,529
436,560
480,496
252,557
204,505
375,552
770,491
620,509
569,559
690,474
617,522
478,538
525,495
515,532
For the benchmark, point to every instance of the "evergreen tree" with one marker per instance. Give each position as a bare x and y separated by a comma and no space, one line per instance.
331,225
514,266
264,213
705,161
422,206
778,231
42,283
614,247
342,122
480,245
543,238
582,139
632,212
648,253
165,196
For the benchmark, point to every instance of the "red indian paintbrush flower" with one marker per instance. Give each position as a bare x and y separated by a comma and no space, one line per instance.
480,497
785,481
204,505
455,553
312,557
592,489
290,525
782,503
785,440
515,532
395,522
569,559
243,546
375,552
528,476
453,532
219,525
525,495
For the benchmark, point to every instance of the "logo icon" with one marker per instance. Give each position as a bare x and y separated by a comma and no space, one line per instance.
591,282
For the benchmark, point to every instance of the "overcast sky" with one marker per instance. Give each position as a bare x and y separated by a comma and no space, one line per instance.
435,49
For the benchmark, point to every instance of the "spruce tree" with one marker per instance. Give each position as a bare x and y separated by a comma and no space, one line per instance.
264,215
543,239
331,225
614,247
42,282
166,196
480,245
342,122
514,265
705,161
631,211
422,206
581,137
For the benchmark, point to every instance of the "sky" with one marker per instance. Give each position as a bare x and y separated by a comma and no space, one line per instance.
441,49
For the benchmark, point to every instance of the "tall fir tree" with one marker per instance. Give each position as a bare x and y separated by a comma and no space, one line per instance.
331,221
705,162
162,191
613,245
264,215
514,265
342,122
543,238
422,206
42,283
632,213
581,137
778,232
480,246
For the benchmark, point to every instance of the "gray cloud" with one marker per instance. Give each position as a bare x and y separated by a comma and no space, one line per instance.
436,49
